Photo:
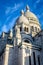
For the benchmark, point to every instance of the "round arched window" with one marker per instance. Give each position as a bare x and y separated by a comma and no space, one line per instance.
32,28
26,29
27,41
35,29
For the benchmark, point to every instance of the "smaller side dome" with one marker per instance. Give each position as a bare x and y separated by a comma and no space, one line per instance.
22,18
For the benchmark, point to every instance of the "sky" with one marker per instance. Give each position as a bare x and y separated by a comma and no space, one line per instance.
10,11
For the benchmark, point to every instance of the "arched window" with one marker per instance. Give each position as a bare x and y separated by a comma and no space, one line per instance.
35,29
27,41
26,29
20,29
32,28
38,29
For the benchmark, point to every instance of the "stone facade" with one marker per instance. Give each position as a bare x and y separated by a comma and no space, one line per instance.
23,44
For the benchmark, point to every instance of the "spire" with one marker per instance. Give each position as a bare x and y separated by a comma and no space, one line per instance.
11,33
3,34
22,12
27,8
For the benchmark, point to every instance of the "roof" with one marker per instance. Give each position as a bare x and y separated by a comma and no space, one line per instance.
22,19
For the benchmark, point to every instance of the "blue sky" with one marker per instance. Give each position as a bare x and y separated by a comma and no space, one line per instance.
10,10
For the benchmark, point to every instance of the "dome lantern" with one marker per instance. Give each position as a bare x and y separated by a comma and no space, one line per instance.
27,8
22,12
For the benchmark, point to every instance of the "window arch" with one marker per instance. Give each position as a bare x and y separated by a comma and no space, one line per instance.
38,29
26,29
20,29
27,41
32,28
35,29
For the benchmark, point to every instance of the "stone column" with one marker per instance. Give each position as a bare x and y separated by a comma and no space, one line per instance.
6,56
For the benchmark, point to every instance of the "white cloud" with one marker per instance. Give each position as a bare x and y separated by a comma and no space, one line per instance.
12,22
42,14
4,28
38,15
35,4
14,8
10,10
7,10
7,19
37,1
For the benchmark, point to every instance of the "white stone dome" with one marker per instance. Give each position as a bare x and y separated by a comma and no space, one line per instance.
31,15
22,19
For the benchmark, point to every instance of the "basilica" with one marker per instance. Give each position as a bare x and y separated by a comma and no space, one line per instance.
23,44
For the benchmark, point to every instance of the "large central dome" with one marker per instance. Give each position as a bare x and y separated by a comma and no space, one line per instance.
31,15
